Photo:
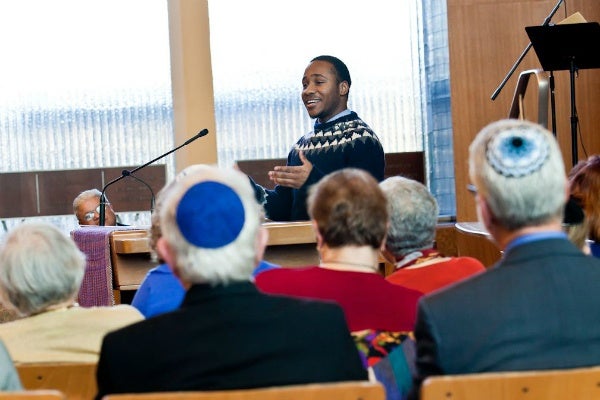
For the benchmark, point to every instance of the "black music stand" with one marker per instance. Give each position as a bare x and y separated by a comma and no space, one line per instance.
567,47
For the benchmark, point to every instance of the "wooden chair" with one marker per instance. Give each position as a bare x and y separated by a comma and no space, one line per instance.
75,380
572,384
33,395
360,390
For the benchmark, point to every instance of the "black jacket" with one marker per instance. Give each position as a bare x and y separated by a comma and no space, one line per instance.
230,337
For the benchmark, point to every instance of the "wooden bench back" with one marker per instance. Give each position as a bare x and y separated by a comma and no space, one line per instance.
360,390
33,395
75,380
572,384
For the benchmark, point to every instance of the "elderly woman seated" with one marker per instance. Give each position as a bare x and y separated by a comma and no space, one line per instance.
410,239
41,270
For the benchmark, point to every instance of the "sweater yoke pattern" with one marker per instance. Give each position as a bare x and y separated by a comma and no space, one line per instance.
338,134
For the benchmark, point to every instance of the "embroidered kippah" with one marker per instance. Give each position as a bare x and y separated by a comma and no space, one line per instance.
210,215
517,152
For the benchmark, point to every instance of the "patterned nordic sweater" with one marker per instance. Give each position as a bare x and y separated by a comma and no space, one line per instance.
344,142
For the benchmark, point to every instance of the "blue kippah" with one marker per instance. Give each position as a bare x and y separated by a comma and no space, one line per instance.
518,151
210,215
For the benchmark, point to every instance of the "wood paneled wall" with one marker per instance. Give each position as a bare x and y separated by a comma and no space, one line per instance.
486,37
39,193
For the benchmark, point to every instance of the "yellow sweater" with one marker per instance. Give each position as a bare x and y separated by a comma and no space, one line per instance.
68,335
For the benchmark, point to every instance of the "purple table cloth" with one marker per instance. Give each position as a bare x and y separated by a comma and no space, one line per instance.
96,287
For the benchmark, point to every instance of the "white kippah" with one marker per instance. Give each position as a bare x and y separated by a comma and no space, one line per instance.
518,151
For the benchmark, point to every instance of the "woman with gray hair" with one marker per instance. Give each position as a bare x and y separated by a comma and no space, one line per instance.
41,270
410,243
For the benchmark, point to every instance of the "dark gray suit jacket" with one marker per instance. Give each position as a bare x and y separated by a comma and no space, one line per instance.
230,337
538,308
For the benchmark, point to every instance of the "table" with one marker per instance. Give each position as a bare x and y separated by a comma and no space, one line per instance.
119,257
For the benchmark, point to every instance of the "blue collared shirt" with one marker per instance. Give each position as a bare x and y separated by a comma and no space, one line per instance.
343,113
532,237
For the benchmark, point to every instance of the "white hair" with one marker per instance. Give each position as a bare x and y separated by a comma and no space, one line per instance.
413,215
40,267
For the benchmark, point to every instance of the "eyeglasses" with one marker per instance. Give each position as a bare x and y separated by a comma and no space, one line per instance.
90,214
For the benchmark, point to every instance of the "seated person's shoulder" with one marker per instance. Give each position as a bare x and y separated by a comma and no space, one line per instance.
119,312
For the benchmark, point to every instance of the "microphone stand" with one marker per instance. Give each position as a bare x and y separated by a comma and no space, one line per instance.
524,53
125,173
152,201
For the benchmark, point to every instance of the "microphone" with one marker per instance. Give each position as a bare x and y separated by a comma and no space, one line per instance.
125,173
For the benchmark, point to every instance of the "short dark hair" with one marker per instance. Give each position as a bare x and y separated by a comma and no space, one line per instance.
340,68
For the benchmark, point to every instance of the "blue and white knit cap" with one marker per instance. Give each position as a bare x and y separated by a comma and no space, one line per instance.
518,151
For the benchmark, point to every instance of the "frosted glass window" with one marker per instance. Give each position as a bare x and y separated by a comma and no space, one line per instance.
84,84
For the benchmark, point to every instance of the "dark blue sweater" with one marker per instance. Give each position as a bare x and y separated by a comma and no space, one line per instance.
344,142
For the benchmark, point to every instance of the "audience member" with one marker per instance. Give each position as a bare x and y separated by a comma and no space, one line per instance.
9,377
41,270
86,207
339,139
226,334
537,308
161,290
411,236
584,186
350,216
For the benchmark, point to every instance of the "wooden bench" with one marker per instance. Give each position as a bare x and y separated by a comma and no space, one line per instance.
77,381
572,384
359,390
33,395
